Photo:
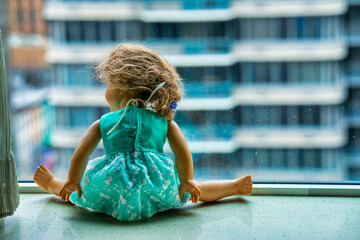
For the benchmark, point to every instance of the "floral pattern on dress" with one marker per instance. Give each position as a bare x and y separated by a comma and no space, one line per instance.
130,186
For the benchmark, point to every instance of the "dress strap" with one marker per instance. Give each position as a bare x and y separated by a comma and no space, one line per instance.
135,102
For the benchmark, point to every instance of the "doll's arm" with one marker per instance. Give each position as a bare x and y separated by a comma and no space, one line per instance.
79,161
83,151
183,161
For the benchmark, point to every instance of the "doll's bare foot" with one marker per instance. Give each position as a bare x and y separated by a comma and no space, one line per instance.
244,185
44,178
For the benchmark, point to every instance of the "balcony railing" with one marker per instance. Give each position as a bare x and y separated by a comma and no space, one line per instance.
194,45
184,4
208,132
208,89
296,137
243,7
189,4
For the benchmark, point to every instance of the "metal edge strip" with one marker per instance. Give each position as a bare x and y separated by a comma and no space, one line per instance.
334,190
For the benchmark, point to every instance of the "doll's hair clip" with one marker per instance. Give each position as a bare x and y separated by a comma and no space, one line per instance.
173,105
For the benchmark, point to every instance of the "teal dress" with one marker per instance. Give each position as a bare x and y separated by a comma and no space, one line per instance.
134,179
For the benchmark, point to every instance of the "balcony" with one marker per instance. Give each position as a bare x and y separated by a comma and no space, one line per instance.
294,50
91,10
69,138
251,137
89,97
302,94
91,53
216,97
200,45
298,137
279,8
207,132
212,53
219,96
188,10
186,4
204,89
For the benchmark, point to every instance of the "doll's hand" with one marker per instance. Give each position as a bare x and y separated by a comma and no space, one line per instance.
68,188
190,187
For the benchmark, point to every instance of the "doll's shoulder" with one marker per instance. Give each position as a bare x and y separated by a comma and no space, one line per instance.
174,133
172,126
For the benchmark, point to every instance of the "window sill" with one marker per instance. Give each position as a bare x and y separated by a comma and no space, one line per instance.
280,189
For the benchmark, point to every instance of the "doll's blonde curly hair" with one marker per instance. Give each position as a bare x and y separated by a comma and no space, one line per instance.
137,71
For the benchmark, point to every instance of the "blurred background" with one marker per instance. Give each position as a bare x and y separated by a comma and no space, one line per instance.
272,87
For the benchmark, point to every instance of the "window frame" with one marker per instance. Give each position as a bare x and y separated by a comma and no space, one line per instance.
269,188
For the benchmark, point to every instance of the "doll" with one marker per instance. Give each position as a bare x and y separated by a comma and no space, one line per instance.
135,179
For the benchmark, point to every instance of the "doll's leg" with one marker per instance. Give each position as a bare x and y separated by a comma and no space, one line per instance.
214,190
44,178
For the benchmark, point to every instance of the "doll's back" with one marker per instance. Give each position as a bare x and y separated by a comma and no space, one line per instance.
140,130
134,179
